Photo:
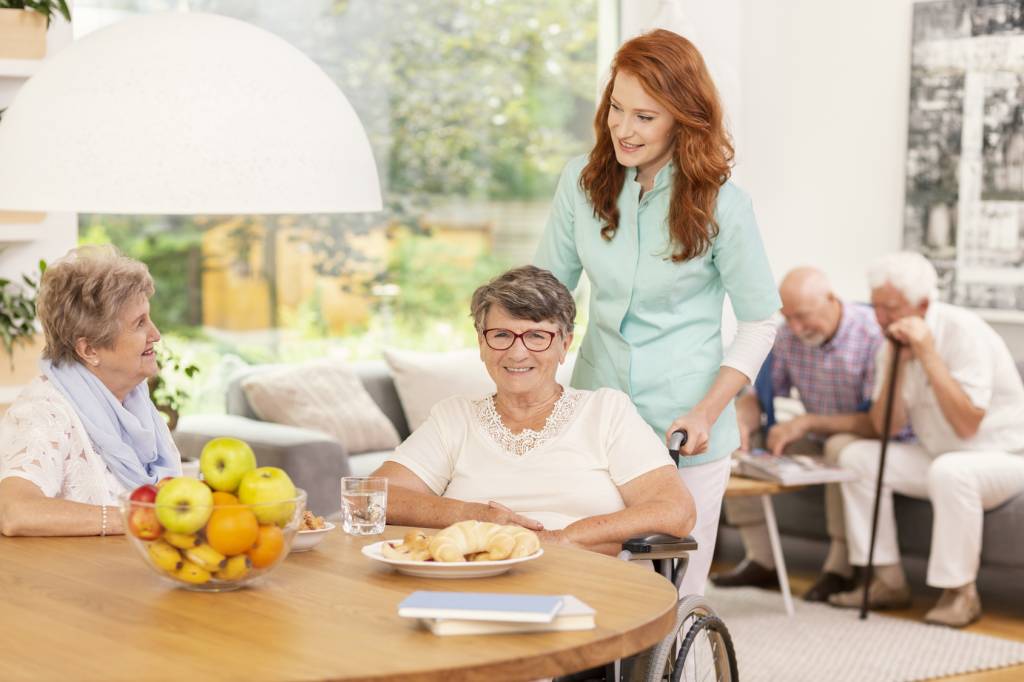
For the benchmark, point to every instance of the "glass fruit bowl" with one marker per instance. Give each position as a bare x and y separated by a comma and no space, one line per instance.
209,541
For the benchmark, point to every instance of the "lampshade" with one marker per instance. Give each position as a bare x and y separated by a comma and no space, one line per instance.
184,113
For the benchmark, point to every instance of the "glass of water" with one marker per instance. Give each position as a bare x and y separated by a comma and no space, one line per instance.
364,503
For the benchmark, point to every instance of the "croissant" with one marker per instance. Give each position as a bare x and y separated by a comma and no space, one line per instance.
482,541
510,542
414,547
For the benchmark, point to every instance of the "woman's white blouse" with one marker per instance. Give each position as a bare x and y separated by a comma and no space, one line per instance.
43,441
593,442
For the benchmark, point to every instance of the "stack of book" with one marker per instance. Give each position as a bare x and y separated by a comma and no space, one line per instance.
481,613
790,469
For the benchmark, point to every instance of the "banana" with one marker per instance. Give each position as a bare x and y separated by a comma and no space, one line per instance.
236,567
181,541
206,557
191,573
164,556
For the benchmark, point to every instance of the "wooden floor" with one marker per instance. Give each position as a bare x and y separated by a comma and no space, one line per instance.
1005,621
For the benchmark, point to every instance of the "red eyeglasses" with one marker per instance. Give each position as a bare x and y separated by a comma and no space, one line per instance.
537,340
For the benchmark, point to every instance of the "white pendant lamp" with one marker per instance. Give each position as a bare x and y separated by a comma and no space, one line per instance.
184,114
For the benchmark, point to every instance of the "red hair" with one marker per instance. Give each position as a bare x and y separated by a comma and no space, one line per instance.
672,71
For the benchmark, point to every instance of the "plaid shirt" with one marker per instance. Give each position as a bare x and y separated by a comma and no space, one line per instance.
837,377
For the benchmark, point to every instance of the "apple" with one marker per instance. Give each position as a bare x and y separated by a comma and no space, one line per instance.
224,461
164,481
144,493
183,505
273,490
142,519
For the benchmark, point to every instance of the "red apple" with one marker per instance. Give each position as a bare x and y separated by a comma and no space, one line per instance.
145,493
142,520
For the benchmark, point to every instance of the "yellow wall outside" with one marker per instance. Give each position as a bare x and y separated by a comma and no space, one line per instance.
236,298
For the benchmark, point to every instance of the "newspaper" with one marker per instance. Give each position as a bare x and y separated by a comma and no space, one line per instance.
790,469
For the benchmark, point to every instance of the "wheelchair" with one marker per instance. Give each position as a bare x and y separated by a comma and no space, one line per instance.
699,646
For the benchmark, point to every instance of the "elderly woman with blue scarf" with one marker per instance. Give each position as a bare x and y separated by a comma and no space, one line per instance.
85,430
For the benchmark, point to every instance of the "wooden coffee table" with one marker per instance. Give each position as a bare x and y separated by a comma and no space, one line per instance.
749,487
88,608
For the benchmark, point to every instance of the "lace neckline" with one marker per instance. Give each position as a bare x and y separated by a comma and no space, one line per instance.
527,440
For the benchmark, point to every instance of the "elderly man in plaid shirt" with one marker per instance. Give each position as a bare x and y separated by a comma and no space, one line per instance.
826,351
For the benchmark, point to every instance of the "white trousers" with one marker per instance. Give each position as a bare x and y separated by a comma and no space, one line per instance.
707,483
961,487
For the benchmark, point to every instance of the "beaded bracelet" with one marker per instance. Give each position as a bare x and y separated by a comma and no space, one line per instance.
103,520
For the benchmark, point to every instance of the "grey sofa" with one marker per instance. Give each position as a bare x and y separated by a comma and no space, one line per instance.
801,515
314,460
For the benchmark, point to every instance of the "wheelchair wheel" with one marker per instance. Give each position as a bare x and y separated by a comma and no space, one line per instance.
699,638
706,653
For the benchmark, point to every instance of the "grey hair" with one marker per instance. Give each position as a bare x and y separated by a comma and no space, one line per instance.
908,272
81,295
528,293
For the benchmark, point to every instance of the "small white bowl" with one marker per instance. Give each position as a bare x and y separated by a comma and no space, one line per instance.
306,540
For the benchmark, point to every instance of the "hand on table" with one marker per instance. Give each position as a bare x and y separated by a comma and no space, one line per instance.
556,537
499,513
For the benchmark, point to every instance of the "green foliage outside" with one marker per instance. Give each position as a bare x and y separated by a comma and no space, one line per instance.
434,276
166,244
484,99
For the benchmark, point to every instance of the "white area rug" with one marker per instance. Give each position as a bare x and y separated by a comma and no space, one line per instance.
821,643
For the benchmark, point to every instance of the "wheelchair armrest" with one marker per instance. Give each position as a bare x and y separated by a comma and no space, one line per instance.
659,546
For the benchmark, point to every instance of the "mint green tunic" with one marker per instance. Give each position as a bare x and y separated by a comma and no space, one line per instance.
655,325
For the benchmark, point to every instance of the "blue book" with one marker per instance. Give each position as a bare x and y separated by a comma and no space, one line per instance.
516,608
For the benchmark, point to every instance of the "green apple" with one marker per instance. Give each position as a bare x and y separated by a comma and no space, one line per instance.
183,505
224,461
273,490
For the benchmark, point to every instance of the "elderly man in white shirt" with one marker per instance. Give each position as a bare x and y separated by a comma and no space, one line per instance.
957,383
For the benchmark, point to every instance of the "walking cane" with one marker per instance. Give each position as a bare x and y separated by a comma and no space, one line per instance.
886,425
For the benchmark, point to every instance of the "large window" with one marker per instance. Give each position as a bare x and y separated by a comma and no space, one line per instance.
472,108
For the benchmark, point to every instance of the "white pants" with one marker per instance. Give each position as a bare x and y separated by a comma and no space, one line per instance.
706,483
961,487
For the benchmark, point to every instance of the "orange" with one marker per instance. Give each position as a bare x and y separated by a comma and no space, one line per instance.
268,548
222,498
231,530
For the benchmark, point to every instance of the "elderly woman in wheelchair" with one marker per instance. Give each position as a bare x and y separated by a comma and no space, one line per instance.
579,467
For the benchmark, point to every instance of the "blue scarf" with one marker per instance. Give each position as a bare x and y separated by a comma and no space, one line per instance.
130,437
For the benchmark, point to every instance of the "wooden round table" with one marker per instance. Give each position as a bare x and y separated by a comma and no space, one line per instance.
87,608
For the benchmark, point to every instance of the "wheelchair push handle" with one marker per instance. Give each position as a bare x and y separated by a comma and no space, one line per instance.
676,441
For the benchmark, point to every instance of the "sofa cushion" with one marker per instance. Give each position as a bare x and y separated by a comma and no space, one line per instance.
424,379
326,396
366,463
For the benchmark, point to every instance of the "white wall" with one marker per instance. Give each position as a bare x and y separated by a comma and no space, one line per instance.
58,232
825,88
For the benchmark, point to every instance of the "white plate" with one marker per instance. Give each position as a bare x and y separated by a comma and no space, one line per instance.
306,540
442,569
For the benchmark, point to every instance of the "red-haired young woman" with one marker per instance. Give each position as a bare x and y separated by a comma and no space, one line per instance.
651,216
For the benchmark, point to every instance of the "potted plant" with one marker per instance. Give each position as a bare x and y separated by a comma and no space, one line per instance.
166,389
23,25
18,313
